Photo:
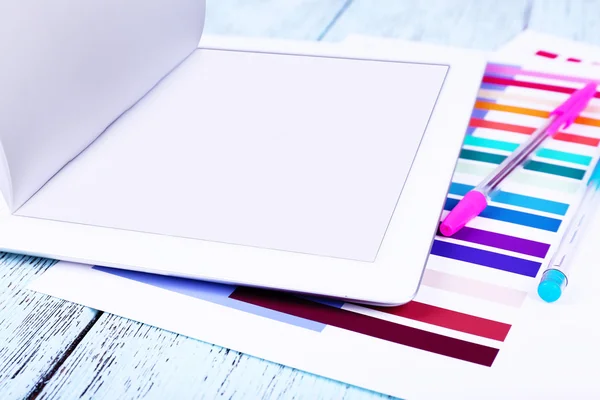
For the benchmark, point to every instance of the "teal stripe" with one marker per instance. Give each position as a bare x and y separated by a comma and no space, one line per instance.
545,153
529,165
547,182
564,156
519,200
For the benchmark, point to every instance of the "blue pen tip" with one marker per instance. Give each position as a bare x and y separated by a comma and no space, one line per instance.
551,285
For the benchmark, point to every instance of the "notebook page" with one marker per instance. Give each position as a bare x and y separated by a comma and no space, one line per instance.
70,68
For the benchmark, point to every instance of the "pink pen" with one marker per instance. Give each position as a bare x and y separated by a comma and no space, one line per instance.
475,201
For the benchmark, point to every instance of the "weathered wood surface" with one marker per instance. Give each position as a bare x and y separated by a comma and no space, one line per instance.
36,331
52,349
121,359
478,24
573,19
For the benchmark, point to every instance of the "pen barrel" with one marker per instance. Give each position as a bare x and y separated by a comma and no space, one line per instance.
514,160
561,260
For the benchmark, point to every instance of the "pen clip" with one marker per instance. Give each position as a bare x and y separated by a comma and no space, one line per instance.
568,111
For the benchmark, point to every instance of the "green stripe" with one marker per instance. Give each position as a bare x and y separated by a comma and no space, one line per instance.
531,165
521,177
544,153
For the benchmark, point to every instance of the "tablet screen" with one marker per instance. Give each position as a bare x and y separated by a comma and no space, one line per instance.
295,153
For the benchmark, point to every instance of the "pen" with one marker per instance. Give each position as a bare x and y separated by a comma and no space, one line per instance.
475,201
556,276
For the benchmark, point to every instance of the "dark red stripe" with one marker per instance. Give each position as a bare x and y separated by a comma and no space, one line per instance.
546,54
449,319
370,326
531,85
573,59
565,137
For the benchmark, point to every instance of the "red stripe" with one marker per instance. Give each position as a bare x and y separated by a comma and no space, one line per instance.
562,136
546,54
370,326
531,85
449,319
573,59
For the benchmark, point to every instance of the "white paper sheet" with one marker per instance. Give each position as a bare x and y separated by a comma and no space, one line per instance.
70,68
545,351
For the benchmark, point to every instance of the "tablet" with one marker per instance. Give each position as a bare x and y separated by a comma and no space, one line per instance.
293,166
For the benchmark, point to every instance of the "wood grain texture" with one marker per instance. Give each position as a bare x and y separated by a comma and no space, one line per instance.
572,19
478,24
36,330
287,19
122,359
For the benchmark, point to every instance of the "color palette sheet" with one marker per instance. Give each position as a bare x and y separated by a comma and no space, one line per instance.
474,288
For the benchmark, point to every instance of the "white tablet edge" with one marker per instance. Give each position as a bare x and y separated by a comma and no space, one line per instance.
386,282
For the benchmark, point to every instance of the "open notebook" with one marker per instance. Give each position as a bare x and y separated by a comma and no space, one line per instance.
124,144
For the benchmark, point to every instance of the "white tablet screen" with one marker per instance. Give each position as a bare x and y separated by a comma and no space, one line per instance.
295,153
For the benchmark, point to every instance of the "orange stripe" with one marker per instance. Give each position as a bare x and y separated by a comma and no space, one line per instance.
565,137
486,105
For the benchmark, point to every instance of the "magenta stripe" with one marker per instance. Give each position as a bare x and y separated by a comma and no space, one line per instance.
512,71
500,241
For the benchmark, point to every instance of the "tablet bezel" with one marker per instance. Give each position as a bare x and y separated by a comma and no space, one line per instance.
392,279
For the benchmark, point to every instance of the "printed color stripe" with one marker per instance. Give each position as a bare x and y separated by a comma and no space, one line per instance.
497,261
512,216
211,292
498,95
370,326
530,165
565,137
546,54
494,80
504,242
449,319
544,153
512,71
523,177
473,288
514,199
487,105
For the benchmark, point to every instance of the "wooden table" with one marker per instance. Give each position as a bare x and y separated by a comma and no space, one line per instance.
54,349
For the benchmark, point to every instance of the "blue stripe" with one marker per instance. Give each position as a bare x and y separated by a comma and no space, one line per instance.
215,293
514,199
471,255
492,86
515,217
478,113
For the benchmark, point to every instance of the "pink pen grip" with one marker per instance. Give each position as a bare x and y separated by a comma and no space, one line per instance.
468,208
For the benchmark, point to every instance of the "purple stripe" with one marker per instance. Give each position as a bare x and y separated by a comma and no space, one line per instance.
486,258
504,242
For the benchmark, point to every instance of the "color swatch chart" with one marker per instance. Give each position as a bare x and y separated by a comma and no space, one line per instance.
476,281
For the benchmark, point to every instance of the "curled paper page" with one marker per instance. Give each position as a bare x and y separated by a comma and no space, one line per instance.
70,68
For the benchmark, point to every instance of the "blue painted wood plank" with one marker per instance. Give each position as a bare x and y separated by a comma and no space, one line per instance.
36,330
288,19
571,19
478,24
119,358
